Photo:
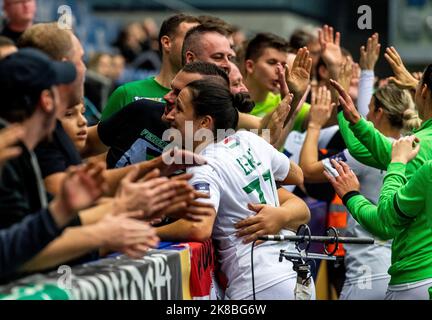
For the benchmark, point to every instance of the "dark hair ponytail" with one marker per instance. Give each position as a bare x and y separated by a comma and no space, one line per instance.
211,96
243,102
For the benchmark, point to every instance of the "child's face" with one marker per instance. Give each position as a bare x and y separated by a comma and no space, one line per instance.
75,125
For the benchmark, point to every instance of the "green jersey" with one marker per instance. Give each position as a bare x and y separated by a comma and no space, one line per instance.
268,105
133,91
412,239
406,200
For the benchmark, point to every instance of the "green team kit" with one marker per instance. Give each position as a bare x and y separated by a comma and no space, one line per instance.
143,89
412,241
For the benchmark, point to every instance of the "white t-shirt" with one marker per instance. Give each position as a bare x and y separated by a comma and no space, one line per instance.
242,169
363,262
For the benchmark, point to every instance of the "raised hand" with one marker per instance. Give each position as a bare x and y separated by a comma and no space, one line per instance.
321,108
346,74
298,77
405,149
278,119
346,181
8,139
402,77
81,187
349,109
282,77
330,47
369,55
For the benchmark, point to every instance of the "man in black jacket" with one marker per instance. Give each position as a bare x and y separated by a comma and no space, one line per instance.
28,86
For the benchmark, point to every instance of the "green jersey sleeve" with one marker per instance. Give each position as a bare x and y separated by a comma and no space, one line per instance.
354,146
365,213
408,198
378,145
388,208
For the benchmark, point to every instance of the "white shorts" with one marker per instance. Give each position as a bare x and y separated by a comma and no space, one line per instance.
375,291
418,290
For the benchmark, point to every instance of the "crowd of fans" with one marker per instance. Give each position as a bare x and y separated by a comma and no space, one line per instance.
90,166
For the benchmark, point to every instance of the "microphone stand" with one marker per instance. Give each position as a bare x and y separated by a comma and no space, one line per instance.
302,258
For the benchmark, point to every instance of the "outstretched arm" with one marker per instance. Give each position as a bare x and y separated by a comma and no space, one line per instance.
376,143
362,210
271,220
320,112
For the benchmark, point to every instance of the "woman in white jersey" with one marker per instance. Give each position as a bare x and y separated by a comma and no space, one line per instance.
392,111
241,169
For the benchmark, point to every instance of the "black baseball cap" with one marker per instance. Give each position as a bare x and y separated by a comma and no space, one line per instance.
30,71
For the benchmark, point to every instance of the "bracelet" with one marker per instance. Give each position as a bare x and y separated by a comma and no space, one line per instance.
349,195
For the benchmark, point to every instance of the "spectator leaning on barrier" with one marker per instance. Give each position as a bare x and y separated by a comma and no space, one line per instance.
21,187
23,240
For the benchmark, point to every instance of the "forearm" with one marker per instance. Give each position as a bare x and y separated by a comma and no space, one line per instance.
98,158
311,167
53,182
394,180
296,122
96,213
293,212
297,99
377,144
73,243
365,92
283,136
295,175
365,213
183,230
248,121
24,240
354,146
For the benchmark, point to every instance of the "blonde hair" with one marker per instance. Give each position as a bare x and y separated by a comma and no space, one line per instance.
398,106
49,38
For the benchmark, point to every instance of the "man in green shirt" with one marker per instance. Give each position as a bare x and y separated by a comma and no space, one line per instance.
171,37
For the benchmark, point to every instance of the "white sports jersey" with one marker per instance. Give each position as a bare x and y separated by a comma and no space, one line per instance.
295,140
363,263
242,169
